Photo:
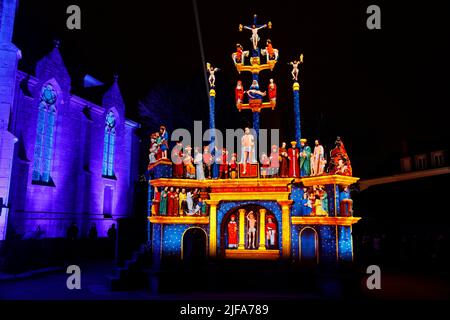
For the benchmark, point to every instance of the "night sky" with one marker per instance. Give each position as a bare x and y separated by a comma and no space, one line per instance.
374,88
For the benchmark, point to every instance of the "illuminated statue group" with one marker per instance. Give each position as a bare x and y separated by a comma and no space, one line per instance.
174,201
255,93
251,231
302,162
270,52
221,164
217,164
339,160
158,145
314,202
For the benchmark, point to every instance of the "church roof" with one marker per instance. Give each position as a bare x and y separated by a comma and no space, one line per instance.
113,97
52,66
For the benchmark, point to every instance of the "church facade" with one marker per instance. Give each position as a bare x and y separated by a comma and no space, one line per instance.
63,159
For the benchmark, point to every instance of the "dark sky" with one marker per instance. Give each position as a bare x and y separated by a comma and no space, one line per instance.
375,88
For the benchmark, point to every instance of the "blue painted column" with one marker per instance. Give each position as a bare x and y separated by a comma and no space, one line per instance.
149,210
333,199
212,114
256,120
212,126
298,132
256,123
345,250
337,202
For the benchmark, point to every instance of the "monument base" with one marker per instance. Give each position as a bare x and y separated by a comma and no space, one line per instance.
252,170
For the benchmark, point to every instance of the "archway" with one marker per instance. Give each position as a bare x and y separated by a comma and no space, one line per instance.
308,246
271,242
194,245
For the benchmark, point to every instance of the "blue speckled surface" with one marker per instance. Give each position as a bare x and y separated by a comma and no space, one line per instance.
296,196
172,237
330,192
345,243
162,170
327,241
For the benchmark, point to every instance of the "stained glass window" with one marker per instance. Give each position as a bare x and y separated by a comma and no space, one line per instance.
43,149
108,145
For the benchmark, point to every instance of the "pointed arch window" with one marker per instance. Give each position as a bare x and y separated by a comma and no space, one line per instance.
109,145
43,149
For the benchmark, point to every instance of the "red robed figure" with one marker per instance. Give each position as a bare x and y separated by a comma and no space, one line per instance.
232,233
239,91
294,165
171,203
177,156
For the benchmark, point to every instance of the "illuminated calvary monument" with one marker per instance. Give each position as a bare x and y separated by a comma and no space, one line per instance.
298,215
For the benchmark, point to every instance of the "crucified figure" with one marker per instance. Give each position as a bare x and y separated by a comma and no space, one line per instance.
295,65
251,231
255,37
247,142
212,71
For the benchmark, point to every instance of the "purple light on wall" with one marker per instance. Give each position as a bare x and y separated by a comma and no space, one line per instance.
77,191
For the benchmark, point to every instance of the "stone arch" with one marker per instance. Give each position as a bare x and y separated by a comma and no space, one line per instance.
225,209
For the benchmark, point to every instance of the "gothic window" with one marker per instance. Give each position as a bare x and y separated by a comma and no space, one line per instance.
43,149
108,145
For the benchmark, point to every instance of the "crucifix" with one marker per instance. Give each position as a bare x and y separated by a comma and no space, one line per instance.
254,28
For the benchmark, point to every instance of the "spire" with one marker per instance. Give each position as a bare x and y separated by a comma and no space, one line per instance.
52,66
113,96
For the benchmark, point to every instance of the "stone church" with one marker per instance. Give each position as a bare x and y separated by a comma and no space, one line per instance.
63,159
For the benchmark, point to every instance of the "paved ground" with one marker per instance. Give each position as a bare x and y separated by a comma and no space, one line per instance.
52,286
